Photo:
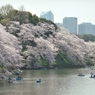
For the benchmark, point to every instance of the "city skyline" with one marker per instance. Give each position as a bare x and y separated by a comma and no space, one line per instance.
47,15
82,9
71,24
86,28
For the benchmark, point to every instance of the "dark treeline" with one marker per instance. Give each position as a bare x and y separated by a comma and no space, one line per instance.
8,13
87,37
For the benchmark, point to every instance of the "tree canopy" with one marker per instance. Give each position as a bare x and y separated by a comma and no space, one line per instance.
8,13
87,37
5,10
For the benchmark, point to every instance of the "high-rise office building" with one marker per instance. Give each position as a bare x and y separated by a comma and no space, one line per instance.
47,15
86,28
71,24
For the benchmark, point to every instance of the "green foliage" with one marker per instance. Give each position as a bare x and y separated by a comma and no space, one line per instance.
88,62
63,57
50,22
35,19
43,62
32,62
15,15
23,17
9,13
5,21
87,37
24,48
54,63
1,67
62,60
1,17
42,19
30,17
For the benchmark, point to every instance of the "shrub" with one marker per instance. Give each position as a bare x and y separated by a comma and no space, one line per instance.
5,21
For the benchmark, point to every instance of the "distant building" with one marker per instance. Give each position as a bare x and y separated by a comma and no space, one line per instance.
59,24
70,23
86,28
47,15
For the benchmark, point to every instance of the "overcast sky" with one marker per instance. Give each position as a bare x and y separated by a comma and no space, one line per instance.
84,10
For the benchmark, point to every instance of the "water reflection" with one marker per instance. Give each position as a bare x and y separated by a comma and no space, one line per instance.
54,82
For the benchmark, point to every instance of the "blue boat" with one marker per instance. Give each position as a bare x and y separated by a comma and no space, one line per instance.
19,78
38,81
16,73
92,76
44,68
81,75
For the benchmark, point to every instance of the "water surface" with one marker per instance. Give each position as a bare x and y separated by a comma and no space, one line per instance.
54,82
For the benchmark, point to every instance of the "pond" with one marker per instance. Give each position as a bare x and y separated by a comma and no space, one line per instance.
54,82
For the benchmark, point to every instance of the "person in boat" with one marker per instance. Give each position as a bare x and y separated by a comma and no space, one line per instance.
91,75
38,80
19,78
80,74
10,79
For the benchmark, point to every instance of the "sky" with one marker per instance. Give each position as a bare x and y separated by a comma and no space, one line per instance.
84,10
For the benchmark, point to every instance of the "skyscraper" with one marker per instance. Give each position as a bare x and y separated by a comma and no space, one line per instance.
70,23
47,15
86,28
